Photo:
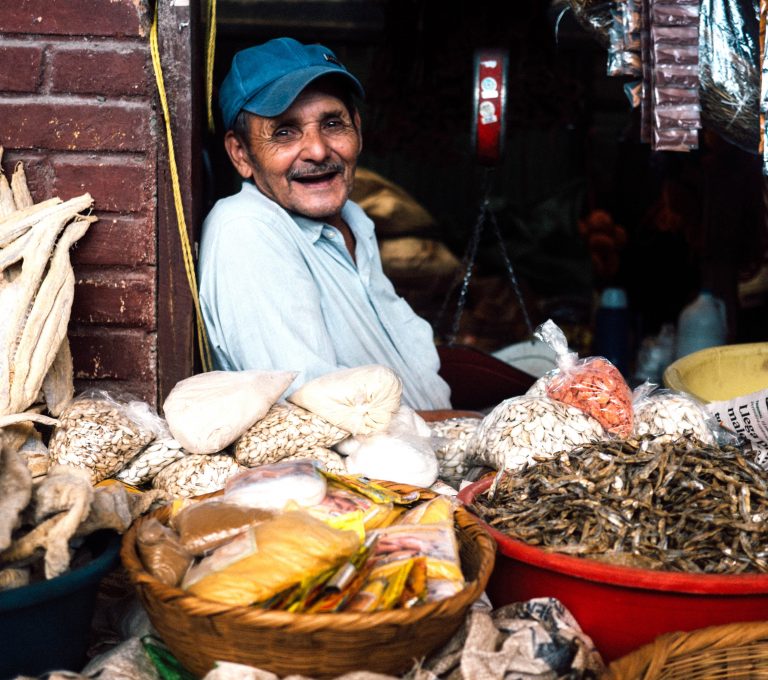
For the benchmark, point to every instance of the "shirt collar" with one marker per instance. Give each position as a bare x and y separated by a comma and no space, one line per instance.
362,229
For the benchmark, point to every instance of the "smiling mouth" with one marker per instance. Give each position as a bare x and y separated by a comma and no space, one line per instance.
319,178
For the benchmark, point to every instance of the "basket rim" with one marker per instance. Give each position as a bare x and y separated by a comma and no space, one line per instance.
679,644
194,606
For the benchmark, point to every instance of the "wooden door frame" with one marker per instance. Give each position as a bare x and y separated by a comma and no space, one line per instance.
181,55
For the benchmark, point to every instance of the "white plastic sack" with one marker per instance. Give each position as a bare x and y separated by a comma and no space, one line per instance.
360,400
404,459
208,411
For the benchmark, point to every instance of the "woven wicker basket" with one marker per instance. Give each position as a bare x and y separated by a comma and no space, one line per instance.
200,632
734,650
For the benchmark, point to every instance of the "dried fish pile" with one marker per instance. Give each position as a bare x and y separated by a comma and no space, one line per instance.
681,507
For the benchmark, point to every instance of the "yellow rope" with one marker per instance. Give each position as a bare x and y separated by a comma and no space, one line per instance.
186,249
209,55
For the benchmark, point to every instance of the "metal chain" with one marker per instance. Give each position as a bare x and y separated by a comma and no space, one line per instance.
468,264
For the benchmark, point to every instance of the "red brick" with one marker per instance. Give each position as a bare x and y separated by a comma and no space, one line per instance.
37,169
117,184
113,354
105,70
113,297
75,17
118,240
20,71
64,124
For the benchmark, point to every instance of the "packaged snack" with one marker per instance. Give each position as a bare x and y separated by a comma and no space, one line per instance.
372,490
438,510
277,485
343,506
162,553
265,560
205,525
593,385
436,543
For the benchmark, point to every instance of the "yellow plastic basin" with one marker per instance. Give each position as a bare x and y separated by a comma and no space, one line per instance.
719,373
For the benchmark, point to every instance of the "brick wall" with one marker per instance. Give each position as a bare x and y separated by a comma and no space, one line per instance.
77,107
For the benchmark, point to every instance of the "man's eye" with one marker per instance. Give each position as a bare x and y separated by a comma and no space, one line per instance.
283,133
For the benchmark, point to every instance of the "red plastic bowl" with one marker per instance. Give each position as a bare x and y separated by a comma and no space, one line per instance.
620,608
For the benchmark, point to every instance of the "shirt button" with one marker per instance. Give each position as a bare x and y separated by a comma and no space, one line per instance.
329,233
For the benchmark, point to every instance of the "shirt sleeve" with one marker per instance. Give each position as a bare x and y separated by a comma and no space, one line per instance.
260,306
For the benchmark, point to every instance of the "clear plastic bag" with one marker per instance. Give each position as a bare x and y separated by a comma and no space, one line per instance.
593,385
668,415
100,431
278,485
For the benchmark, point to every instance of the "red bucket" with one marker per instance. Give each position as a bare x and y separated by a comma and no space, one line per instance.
620,608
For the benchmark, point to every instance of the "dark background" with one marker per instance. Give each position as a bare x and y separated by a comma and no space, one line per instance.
690,220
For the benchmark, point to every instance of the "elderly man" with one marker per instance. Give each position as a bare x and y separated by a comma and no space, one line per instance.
290,273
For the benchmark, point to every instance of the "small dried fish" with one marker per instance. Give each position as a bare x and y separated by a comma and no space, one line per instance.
682,506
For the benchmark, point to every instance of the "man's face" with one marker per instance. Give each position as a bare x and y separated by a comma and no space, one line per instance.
305,158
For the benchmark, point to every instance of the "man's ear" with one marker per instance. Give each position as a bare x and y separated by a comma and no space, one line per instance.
358,124
238,154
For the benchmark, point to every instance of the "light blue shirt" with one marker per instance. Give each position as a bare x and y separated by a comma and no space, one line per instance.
281,292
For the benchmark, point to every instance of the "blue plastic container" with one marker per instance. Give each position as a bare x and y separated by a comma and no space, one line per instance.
45,626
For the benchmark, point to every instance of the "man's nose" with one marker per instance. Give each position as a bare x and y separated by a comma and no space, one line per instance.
315,146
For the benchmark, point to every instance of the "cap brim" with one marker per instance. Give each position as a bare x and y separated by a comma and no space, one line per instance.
276,97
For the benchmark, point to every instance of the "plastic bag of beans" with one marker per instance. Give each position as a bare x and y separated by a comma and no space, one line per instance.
593,384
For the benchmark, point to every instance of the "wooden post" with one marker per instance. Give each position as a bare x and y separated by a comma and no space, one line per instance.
180,50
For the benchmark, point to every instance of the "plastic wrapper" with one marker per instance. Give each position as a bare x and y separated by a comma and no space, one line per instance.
593,385
437,543
208,411
267,559
143,467
451,439
286,430
438,510
196,474
100,431
162,553
343,507
521,429
668,415
276,486
205,525
403,458
360,400
593,15
373,490
729,67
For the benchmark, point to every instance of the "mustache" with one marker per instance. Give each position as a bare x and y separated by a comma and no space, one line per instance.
319,169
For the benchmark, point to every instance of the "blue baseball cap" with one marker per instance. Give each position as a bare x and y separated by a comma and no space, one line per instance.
266,79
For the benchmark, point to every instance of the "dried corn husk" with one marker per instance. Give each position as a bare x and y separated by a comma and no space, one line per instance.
286,430
196,474
36,291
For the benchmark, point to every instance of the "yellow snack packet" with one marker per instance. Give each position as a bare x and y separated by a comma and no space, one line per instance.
268,558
